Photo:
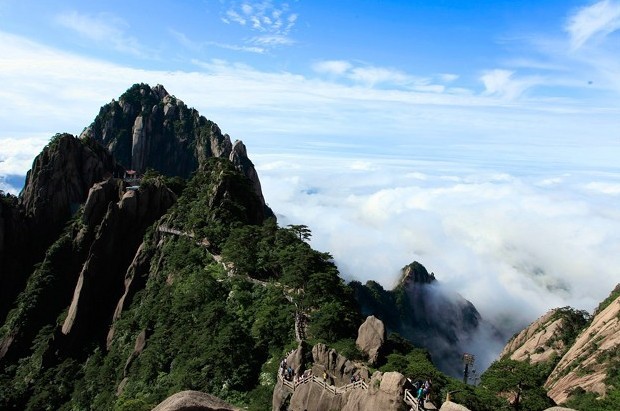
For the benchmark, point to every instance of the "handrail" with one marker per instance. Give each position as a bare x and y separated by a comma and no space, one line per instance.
409,398
319,381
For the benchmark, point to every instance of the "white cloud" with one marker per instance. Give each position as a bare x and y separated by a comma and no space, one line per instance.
593,22
604,187
371,76
104,29
273,40
504,84
334,67
273,19
448,77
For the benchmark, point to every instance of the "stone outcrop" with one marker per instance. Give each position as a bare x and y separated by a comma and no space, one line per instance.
540,341
149,128
370,338
194,401
385,392
339,369
585,364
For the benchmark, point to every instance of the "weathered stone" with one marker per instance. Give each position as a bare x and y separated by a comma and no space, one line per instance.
194,401
602,335
370,338
451,406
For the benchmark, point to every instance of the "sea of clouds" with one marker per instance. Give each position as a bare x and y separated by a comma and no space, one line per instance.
515,243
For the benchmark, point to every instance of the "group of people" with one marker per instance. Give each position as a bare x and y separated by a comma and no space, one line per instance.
286,371
356,378
421,390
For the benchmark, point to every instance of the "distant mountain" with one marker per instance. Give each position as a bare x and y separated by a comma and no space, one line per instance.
420,309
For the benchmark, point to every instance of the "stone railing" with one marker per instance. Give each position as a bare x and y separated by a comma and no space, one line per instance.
292,385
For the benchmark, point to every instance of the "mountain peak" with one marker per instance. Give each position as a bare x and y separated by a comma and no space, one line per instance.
416,273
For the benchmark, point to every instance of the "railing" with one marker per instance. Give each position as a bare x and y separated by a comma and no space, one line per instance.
410,398
292,385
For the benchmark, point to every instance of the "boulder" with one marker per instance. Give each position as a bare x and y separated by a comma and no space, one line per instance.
193,401
370,338
452,406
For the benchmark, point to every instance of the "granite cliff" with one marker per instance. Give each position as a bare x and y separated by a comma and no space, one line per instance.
579,350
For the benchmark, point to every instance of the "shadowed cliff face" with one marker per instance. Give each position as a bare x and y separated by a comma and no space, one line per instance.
430,316
56,186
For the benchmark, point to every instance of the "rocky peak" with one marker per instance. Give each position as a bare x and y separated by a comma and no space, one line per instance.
149,128
416,273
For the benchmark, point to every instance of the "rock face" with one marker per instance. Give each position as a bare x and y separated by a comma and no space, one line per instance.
61,177
56,186
428,315
193,401
120,233
149,128
586,363
370,338
540,341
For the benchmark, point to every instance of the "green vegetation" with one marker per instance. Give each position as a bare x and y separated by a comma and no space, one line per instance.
517,385
611,298
205,328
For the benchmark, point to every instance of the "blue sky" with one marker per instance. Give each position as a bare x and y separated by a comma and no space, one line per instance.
479,137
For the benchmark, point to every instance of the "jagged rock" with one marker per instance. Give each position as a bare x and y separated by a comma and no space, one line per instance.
585,364
338,368
370,337
194,401
135,280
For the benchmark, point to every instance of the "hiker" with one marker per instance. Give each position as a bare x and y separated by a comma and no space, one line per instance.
427,389
420,397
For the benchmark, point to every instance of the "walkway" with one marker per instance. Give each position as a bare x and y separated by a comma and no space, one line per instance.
413,402
292,385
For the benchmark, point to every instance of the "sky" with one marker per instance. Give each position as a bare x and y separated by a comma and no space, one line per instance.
480,138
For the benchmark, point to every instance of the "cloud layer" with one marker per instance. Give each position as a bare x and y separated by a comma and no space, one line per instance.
516,246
